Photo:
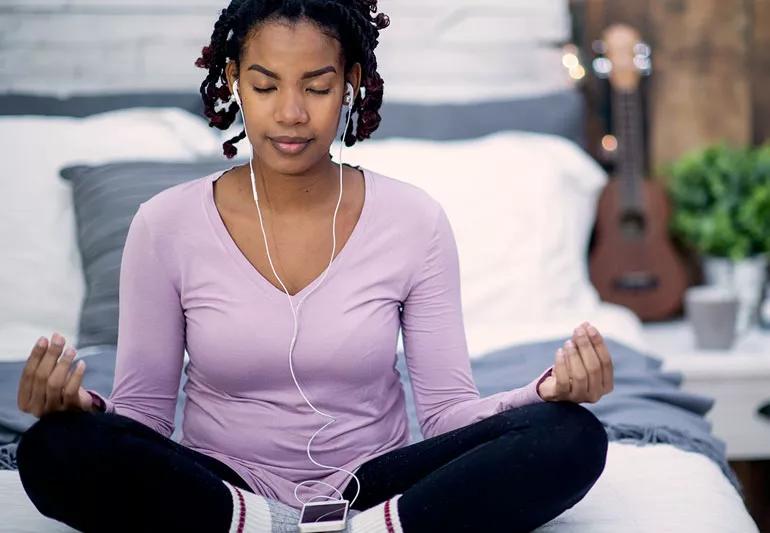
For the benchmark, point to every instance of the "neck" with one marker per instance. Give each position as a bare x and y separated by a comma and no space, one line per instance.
287,194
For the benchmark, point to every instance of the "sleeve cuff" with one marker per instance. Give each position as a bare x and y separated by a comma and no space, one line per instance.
101,403
521,396
547,372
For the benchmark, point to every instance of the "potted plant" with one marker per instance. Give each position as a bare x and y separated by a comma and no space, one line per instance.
720,199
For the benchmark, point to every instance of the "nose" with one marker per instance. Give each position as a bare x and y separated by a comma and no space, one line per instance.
290,108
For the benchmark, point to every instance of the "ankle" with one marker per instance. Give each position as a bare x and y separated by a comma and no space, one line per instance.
251,513
382,518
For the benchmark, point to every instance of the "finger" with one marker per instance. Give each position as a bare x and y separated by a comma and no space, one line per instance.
577,372
28,373
71,392
603,352
567,366
54,390
43,370
561,374
51,357
591,362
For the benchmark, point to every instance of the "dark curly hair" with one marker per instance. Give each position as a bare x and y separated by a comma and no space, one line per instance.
349,21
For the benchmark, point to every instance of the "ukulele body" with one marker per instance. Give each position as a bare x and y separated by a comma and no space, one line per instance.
633,262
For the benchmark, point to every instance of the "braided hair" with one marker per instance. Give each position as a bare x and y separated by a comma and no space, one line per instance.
349,21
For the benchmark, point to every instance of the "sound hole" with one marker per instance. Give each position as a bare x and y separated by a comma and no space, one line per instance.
632,224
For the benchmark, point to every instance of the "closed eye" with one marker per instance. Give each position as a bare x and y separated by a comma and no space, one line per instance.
326,91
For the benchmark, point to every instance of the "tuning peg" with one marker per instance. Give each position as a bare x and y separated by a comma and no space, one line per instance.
643,64
602,67
599,47
642,49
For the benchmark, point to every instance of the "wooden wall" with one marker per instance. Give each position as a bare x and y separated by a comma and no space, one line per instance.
711,70
760,70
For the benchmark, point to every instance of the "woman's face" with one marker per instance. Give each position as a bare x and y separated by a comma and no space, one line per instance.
291,83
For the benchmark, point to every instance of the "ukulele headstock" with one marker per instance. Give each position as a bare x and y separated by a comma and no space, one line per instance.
623,57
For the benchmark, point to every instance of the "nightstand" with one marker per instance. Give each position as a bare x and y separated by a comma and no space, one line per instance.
739,380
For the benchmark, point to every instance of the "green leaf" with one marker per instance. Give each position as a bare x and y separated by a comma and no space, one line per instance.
720,197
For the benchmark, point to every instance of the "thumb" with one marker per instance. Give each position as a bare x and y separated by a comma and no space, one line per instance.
547,388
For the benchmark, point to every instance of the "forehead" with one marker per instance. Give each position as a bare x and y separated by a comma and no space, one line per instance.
288,47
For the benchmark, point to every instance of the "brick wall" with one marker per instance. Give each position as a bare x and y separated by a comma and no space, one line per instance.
434,49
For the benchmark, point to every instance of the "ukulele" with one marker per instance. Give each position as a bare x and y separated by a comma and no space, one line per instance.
633,262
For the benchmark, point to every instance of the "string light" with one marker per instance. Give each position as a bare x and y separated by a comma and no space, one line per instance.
570,59
609,143
577,73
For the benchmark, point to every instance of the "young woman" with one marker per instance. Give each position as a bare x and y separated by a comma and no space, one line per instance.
199,273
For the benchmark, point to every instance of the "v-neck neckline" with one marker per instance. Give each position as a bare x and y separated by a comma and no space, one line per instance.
220,228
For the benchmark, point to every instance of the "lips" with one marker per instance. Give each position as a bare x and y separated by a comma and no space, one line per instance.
287,139
290,145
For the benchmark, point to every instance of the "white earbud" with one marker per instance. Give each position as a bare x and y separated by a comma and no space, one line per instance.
348,100
235,93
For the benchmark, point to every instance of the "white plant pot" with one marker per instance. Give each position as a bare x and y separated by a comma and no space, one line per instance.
746,277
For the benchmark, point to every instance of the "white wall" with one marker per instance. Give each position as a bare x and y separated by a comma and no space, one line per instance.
434,50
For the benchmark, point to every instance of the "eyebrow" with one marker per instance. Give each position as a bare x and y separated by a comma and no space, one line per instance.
306,75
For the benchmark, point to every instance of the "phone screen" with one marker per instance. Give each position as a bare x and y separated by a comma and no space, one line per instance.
327,512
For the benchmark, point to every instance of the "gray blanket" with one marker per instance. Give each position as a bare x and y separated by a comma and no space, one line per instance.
646,406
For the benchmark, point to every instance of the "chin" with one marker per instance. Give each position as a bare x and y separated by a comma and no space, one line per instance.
295,165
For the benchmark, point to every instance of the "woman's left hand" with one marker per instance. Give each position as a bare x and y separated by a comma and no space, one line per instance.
583,371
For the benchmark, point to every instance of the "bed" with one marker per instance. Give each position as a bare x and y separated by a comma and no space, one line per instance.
520,192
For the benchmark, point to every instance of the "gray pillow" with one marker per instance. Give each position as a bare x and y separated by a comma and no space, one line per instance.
106,197
560,112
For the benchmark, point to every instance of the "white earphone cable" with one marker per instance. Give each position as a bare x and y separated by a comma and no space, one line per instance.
295,313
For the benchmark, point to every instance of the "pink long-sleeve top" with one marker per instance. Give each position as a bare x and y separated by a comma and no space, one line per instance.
185,285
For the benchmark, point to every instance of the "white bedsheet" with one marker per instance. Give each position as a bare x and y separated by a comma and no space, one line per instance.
656,488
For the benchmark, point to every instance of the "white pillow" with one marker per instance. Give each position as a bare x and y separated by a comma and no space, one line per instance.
41,280
522,206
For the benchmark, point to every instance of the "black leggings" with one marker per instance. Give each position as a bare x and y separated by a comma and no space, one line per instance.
513,471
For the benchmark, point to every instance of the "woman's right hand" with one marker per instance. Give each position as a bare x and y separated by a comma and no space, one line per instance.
46,383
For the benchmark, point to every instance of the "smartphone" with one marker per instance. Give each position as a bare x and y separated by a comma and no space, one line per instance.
323,516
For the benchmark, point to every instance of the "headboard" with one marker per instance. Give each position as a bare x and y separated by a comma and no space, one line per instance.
560,113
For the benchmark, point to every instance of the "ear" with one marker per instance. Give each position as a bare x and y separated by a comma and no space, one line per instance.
354,77
230,74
